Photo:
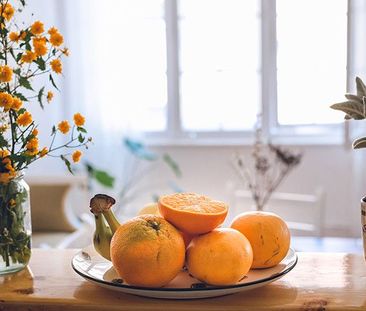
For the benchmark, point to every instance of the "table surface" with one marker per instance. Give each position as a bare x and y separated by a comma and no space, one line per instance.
320,281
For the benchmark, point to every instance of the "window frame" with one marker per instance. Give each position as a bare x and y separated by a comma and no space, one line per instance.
320,134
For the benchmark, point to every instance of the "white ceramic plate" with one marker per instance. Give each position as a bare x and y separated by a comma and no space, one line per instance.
94,268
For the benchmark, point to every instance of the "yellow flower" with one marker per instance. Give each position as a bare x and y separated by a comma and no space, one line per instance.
8,164
6,100
22,35
56,39
3,127
64,127
37,28
79,120
12,202
39,45
17,103
25,119
76,156
35,132
56,65
66,51
52,30
6,73
43,152
49,96
7,11
14,36
28,57
4,153
32,146
6,177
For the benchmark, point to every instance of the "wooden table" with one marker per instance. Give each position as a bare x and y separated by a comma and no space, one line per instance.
320,281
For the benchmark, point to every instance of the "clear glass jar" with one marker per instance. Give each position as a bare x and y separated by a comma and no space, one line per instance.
15,225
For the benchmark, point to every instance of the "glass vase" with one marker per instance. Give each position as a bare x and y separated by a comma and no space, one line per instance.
15,225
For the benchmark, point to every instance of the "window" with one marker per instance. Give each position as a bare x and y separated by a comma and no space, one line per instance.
206,68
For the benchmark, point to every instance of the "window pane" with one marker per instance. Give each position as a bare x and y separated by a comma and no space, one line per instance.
311,59
219,60
131,54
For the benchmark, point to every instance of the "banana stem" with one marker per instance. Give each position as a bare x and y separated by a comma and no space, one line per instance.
112,220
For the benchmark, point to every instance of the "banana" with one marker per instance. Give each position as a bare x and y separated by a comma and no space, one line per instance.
102,237
100,206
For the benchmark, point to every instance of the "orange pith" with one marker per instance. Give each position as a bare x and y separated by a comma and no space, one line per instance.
192,213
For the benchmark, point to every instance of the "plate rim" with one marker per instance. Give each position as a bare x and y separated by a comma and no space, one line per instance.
181,289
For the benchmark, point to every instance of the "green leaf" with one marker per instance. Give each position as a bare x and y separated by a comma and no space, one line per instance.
17,71
67,163
25,83
19,56
3,141
53,82
361,88
172,164
81,138
40,95
41,63
359,143
104,178
354,109
20,96
81,129
53,130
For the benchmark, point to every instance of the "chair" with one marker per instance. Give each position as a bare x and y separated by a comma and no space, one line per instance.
304,213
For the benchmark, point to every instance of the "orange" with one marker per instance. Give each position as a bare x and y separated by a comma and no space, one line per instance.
267,233
147,251
221,257
192,213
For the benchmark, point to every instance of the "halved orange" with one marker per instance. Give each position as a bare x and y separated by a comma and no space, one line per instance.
192,213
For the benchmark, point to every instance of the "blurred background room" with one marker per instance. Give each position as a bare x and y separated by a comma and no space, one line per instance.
174,92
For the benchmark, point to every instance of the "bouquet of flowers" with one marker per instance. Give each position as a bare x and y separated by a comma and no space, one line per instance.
27,52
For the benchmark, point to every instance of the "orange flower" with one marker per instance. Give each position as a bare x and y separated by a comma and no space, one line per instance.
64,127
32,146
6,100
56,65
25,119
35,132
8,164
79,120
17,104
66,51
56,39
22,35
4,153
76,156
39,45
14,36
52,30
49,96
7,11
6,177
43,152
6,73
37,28
28,57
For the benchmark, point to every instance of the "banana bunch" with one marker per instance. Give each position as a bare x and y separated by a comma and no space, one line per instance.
100,206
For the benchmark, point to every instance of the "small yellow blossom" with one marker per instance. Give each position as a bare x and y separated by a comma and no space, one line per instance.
4,153
64,127
12,202
25,119
17,104
8,164
6,73
37,28
3,127
14,36
7,11
28,57
52,30
32,146
39,45
6,100
56,39
79,120
6,177
43,152
22,35
35,132
56,65
49,96
76,156
66,51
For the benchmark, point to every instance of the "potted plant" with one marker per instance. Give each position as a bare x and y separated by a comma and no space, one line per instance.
27,53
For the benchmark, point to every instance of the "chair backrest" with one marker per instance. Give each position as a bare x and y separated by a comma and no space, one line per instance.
304,213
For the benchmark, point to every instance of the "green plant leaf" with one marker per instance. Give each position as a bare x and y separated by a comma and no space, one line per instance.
67,163
40,96
53,130
3,141
100,176
81,138
172,164
359,143
20,96
17,71
41,63
25,83
53,82
81,129
361,88
353,109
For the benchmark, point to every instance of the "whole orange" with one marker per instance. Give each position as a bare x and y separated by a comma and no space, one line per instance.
147,251
267,233
220,257
192,213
